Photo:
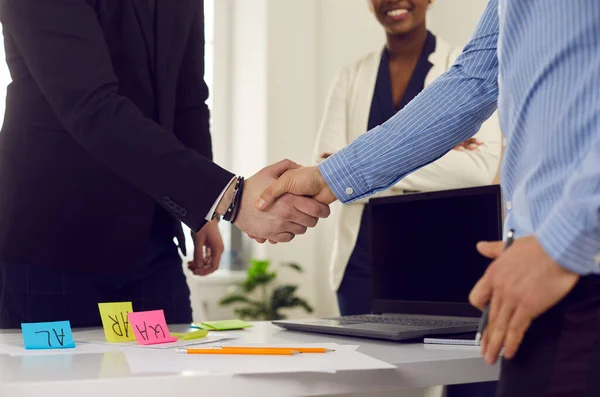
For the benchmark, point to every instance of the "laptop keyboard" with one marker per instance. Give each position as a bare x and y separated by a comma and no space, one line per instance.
410,321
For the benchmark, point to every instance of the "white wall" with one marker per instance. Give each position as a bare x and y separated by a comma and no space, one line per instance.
285,55
454,20
292,113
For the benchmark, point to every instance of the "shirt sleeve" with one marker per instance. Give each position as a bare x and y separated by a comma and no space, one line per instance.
211,211
450,110
571,233
460,169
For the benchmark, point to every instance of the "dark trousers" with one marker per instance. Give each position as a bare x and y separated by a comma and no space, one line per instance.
355,292
560,354
36,294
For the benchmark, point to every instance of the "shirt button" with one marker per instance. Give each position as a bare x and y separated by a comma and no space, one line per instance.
508,205
349,190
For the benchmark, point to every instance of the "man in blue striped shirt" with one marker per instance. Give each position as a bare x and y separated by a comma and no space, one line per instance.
538,62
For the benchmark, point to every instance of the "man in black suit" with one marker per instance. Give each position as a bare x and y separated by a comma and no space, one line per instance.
105,148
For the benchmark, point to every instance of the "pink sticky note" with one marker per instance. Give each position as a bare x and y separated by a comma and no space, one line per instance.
150,328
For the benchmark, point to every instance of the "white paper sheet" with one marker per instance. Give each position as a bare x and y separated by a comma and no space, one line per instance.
208,339
89,342
13,345
342,359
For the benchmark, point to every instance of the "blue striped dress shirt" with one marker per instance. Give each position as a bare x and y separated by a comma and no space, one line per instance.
538,62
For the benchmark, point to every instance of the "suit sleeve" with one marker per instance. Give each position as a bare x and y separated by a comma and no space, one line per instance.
63,46
191,112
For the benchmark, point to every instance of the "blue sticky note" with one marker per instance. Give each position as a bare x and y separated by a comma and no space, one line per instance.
54,335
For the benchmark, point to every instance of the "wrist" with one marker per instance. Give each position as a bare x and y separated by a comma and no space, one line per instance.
326,196
226,199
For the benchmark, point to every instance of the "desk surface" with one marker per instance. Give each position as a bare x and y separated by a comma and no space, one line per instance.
417,366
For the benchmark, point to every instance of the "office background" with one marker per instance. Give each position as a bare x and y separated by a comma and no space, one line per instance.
270,64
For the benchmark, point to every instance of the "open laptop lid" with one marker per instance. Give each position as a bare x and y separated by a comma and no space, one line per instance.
423,252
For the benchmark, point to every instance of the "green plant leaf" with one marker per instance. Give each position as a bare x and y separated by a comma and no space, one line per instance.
283,294
258,276
284,297
258,267
299,302
236,298
249,285
294,266
250,313
264,278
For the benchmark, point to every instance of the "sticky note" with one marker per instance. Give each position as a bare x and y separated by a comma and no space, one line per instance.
53,335
150,327
115,321
201,333
223,325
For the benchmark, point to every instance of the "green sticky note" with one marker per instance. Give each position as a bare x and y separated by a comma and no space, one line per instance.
201,333
224,325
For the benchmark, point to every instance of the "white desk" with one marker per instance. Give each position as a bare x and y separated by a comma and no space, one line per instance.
417,366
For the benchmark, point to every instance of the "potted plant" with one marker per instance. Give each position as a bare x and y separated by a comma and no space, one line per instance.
260,299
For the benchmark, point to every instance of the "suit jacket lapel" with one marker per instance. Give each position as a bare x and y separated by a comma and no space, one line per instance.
145,19
165,18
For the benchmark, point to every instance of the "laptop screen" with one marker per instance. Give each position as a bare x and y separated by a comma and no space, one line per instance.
423,254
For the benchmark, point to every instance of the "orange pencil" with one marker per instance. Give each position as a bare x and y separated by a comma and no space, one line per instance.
298,349
261,352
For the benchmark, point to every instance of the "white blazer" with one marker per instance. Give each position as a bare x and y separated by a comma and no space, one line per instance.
346,118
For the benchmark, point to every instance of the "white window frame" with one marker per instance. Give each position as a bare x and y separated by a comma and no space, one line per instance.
217,17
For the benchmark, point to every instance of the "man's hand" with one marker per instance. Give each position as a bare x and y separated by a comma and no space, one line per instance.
306,181
520,284
469,144
288,216
208,248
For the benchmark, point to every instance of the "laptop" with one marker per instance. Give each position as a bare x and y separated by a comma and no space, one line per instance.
424,265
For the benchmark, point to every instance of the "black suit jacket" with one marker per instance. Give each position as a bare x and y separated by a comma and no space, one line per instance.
105,117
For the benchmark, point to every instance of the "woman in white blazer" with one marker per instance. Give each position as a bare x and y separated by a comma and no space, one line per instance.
366,94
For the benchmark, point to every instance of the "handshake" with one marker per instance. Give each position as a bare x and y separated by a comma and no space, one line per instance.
280,202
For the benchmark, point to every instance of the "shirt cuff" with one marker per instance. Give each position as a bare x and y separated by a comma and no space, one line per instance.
564,237
212,210
342,179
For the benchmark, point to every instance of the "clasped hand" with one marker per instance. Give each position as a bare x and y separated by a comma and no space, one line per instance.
288,215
